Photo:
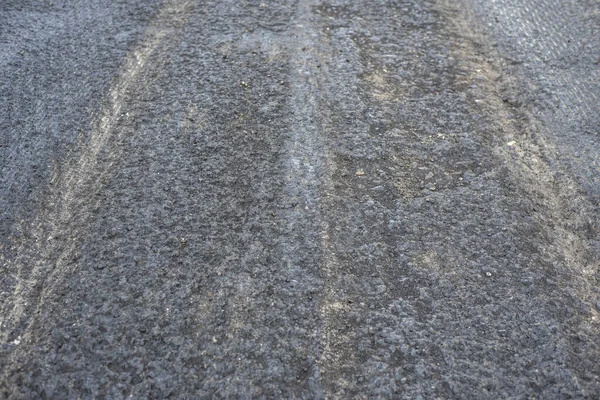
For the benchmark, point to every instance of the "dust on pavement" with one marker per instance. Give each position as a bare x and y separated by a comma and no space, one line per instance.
298,199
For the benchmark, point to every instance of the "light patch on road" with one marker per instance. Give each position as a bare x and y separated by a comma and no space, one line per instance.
310,168
306,158
380,89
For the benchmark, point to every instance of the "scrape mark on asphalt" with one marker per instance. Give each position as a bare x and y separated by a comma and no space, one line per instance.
309,175
304,147
107,134
556,63
526,159
44,256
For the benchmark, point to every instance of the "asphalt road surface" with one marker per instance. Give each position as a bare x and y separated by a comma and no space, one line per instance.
299,199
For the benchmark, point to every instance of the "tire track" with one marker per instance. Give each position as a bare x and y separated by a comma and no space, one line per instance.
449,279
306,164
554,48
310,170
47,253
57,67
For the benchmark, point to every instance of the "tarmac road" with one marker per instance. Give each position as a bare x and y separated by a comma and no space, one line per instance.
299,199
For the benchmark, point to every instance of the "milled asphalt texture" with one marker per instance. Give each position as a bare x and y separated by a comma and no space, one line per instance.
299,199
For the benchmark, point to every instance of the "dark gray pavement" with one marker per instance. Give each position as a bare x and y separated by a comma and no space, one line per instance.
299,199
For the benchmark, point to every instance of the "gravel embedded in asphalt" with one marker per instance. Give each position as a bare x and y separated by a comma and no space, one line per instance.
299,199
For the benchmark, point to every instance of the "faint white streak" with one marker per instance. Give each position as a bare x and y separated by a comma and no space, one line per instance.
41,257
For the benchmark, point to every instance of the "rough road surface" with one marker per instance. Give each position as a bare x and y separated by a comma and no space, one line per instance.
299,199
